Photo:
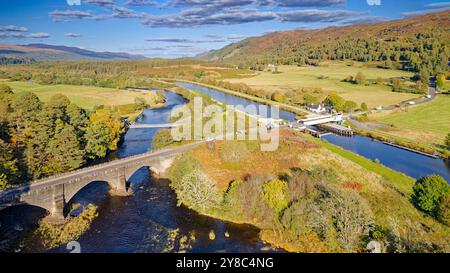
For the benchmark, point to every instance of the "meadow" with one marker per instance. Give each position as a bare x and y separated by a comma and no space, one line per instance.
426,124
85,96
329,76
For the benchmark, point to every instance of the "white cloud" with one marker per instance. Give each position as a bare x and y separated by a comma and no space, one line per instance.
39,35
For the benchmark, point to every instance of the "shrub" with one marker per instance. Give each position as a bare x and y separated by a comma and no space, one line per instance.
250,204
275,193
304,217
197,191
300,185
364,107
360,78
443,211
335,101
278,97
428,191
351,215
350,106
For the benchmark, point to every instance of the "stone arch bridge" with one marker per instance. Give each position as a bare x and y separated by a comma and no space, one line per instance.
55,192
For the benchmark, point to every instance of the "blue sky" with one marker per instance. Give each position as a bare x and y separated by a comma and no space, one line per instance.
176,28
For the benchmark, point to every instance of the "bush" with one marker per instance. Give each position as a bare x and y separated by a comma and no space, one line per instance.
335,101
275,193
246,196
304,217
350,106
197,191
360,78
351,215
428,191
364,107
278,97
300,185
443,211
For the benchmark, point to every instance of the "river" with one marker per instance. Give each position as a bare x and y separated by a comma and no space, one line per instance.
147,221
410,163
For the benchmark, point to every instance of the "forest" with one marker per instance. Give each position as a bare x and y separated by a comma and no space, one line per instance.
426,53
42,139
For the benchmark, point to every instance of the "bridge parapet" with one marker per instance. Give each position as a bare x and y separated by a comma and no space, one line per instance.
53,193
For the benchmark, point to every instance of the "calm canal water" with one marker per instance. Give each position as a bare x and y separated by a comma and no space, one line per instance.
143,222
410,163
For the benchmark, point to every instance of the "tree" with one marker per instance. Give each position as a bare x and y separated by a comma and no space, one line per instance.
428,191
25,107
364,107
77,117
199,73
275,193
98,138
9,173
350,106
443,211
57,105
64,149
440,81
278,96
335,101
116,127
425,77
310,99
196,190
360,78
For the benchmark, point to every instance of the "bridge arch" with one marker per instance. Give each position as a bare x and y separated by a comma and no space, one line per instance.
70,195
71,189
130,172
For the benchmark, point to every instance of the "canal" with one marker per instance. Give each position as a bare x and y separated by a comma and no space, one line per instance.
410,163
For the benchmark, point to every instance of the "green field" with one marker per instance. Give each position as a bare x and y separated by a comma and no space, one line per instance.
428,123
401,181
84,96
329,76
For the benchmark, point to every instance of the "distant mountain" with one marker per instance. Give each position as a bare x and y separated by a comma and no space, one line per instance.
44,52
361,42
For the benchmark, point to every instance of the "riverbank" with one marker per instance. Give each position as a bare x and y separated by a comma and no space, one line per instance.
278,105
279,192
403,142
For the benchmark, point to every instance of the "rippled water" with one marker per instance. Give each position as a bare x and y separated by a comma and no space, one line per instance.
147,221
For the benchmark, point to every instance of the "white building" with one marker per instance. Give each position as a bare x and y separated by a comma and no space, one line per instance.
317,108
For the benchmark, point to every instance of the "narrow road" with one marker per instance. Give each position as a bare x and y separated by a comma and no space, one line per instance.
57,179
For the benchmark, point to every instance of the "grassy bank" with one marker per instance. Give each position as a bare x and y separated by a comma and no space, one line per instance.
281,106
401,181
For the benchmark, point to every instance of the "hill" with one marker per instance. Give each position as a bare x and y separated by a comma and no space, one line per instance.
44,52
403,42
